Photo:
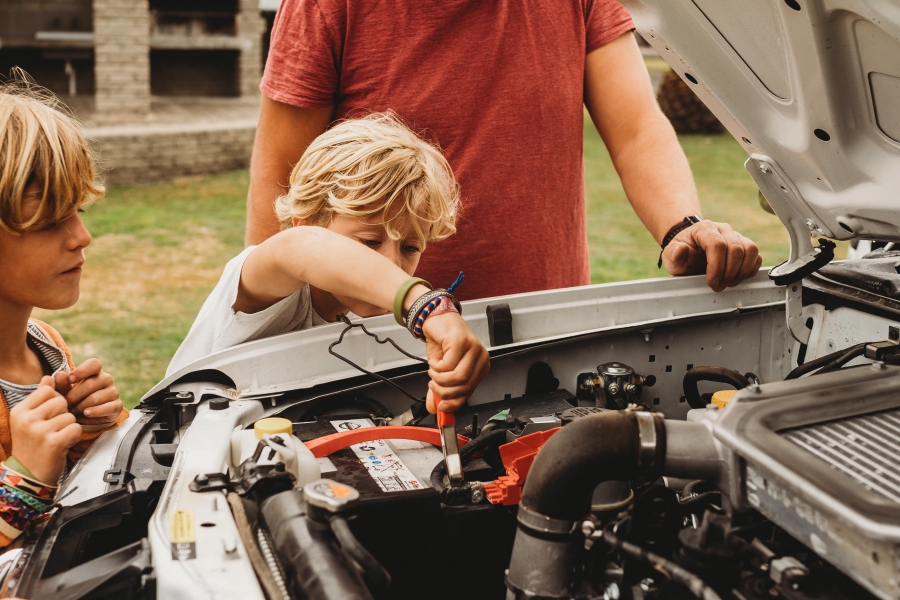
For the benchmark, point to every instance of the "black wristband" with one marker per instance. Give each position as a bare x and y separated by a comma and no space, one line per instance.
676,229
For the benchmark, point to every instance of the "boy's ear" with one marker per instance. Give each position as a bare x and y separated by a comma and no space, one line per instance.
297,221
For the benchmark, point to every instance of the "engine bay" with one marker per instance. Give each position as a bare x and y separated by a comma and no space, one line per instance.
675,460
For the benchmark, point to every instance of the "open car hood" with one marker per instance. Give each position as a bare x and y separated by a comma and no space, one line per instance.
811,89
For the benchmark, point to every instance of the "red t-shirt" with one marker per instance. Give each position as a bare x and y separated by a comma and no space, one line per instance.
498,84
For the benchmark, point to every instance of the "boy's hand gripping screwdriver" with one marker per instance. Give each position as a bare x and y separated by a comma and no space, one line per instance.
446,423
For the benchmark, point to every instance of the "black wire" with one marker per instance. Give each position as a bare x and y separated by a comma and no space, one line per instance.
386,340
372,570
667,568
828,360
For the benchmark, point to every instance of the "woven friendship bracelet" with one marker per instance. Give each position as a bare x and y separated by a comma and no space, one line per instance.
28,485
437,306
40,506
14,509
423,306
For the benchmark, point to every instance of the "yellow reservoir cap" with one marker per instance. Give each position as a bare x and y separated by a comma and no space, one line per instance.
720,398
273,425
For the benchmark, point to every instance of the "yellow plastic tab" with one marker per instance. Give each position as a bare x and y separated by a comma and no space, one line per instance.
182,522
722,398
273,425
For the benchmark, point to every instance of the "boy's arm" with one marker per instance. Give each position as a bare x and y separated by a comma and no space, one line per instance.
329,261
324,259
42,430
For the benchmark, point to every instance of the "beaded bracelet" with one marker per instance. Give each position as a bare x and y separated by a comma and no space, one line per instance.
26,498
15,510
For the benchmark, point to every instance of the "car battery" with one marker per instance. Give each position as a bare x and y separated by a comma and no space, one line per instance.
399,517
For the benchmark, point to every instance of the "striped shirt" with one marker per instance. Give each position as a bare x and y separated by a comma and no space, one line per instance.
14,393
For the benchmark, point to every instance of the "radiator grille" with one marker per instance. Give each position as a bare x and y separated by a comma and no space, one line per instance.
867,448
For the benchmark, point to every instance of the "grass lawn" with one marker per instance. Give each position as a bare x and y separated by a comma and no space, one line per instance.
159,249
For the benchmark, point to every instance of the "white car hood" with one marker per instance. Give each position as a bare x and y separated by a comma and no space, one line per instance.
784,76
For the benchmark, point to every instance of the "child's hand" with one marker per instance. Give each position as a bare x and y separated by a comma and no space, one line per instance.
43,430
457,359
90,392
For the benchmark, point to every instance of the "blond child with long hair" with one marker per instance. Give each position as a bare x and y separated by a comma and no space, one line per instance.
364,200
50,410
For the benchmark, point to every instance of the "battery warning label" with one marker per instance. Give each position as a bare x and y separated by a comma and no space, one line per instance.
379,459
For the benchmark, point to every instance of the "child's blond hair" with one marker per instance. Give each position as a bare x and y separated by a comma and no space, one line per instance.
373,165
40,142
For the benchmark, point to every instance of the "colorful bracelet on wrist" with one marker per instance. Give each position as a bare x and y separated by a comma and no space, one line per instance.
425,306
401,294
18,509
28,485
438,306
40,506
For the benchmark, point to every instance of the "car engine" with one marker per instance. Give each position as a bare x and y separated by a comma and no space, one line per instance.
637,440
782,484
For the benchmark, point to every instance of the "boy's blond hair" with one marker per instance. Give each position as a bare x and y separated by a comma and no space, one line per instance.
40,142
373,165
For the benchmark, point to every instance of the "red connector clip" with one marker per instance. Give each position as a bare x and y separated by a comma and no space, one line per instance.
517,457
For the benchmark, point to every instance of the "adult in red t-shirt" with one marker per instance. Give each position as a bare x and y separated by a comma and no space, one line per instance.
500,86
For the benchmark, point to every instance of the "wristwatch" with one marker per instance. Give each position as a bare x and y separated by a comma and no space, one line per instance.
676,229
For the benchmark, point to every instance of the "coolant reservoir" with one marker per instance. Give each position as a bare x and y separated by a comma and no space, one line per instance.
719,401
297,458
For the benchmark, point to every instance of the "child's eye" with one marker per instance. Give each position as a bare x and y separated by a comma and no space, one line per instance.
410,249
50,226
371,243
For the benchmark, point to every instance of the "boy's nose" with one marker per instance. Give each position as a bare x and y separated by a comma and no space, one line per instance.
79,236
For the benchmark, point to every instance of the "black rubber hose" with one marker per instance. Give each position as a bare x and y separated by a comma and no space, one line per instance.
316,566
691,487
585,453
824,361
694,584
717,374
375,575
450,495
372,407
838,363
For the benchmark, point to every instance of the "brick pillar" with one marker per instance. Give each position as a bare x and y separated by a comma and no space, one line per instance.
122,57
251,27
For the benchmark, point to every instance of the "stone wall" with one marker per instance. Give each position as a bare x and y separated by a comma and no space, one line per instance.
122,57
251,26
139,155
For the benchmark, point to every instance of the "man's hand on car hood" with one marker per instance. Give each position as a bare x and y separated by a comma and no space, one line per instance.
726,256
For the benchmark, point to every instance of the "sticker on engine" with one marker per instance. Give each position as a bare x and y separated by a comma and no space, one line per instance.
183,538
379,459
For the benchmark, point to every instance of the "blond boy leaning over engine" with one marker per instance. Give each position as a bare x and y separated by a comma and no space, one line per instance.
364,200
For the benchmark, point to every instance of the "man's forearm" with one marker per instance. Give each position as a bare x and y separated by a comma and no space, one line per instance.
656,176
284,133
641,142
261,221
